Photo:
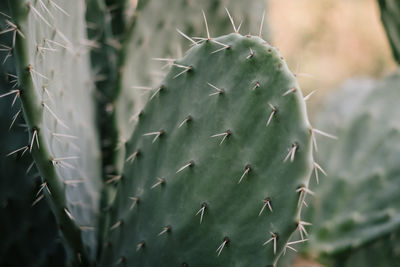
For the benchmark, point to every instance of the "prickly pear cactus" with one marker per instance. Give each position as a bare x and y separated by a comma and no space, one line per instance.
358,203
390,15
55,88
218,165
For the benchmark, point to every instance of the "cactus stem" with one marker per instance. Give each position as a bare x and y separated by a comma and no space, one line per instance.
292,152
273,239
224,134
190,164
267,203
246,171
157,135
273,112
187,37
160,182
221,247
219,91
201,211
205,22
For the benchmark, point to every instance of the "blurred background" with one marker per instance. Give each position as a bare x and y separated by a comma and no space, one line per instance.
326,42
307,33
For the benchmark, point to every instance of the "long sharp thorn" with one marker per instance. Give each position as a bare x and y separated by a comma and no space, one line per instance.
10,93
325,134
39,15
58,7
317,168
273,238
5,15
14,119
185,166
201,211
221,247
24,148
246,171
37,200
309,95
161,181
231,19
205,21
187,37
55,116
156,92
135,200
261,25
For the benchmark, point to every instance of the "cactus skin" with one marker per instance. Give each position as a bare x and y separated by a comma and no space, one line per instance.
390,16
55,90
232,210
358,202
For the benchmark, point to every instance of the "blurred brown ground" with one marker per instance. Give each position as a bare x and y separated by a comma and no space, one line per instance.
326,42
329,41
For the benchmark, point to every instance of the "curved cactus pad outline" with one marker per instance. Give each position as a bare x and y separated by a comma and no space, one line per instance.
218,165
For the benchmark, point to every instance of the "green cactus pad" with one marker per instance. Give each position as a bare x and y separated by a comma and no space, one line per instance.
358,202
56,89
218,165
390,15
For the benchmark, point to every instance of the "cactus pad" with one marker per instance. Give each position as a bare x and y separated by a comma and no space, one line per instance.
218,165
